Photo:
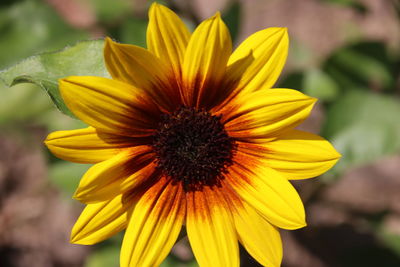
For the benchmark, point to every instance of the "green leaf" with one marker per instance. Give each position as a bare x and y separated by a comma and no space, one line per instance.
363,127
44,70
320,85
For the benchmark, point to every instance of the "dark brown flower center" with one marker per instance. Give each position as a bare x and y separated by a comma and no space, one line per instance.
193,148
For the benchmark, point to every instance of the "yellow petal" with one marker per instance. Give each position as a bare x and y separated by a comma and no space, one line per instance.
300,155
266,113
228,89
267,191
109,105
205,61
154,225
258,237
81,146
167,37
210,229
139,67
269,48
100,221
116,175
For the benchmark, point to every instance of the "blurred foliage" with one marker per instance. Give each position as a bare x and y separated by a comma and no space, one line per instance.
315,79
362,126
29,27
133,31
110,11
366,64
19,96
65,175
232,17
105,256
357,86
356,4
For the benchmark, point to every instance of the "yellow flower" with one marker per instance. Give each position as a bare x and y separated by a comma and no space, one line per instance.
189,133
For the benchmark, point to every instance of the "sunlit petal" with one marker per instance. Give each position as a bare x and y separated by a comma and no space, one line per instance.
129,110
100,221
205,61
267,191
269,48
167,37
116,175
266,113
142,69
296,154
210,229
81,146
154,225
261,239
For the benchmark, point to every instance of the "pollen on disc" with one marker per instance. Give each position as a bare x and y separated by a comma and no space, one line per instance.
192,147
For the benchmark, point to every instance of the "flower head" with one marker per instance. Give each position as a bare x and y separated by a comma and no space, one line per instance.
188,133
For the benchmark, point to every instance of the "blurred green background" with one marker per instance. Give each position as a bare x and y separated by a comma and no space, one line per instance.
344,52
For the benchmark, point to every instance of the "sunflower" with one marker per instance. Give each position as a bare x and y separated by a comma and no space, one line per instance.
187,133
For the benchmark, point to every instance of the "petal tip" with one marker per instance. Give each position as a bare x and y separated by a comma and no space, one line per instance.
69,79
284,30
48,139
153,10
296,225
301,223
78,241
49,144
335,154
154,6
77,195
109,46
63,80
108,42
73,237
215,18
76,236
313,100
66,88
63,83
283,33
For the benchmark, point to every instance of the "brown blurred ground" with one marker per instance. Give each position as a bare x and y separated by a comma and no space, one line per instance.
34,220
